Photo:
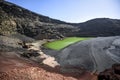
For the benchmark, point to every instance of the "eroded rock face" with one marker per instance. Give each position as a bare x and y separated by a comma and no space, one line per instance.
15,19
13,42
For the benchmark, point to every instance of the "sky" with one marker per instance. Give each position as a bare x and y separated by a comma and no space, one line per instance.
74,11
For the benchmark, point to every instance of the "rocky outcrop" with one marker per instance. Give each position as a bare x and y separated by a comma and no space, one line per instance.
110,74
15,19
13,42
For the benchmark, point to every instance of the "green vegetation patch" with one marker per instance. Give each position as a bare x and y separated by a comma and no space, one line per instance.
60,44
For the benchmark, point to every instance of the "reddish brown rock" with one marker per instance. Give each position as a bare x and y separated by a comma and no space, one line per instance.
13,67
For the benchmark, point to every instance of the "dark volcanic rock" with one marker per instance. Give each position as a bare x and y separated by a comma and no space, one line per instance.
110,74
100,27
94,55
15,19
30,54
12,42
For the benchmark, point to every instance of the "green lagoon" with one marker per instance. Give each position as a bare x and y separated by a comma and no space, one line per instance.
60,44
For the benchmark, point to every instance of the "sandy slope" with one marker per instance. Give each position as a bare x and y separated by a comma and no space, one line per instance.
13,67
94,55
